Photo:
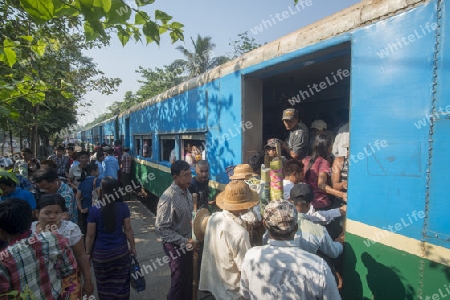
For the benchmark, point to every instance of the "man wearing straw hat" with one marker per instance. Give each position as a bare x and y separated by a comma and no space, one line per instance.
226,241
280,270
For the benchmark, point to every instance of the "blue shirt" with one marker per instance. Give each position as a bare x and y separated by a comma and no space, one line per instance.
85,187
105,240
20,193
110,166
100,169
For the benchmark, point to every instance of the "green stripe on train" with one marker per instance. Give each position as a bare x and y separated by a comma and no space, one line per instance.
154,180
382,272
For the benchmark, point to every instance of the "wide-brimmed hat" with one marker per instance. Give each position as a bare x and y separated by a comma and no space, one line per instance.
242,171
237,196
200,222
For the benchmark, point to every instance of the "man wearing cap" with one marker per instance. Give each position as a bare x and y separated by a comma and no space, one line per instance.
297,144
226,241
318,127
311,236
173,226
281,270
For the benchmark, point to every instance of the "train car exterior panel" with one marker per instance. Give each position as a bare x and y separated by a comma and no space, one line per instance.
388,95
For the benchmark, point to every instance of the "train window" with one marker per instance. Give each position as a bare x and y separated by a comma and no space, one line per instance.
167,146
137,145
192,146
147,146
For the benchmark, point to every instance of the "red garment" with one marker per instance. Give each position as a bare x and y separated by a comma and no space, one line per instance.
321,199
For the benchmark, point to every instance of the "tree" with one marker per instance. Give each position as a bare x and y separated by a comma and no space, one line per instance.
32,30
201,59
156,81
243,45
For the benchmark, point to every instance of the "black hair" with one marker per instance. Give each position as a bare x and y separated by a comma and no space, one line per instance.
280,235
110,151
100,154
48,174
92,166
292,166
15,216
255,161
321,146
26,150
82,153
179,166
51,199
60,148
202,163
7,181
110,186
117,143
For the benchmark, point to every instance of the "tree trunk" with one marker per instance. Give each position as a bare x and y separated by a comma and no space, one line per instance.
34,137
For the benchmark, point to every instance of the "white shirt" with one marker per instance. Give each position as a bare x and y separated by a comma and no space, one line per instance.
67,229
281,270
226,242
312,237
342,138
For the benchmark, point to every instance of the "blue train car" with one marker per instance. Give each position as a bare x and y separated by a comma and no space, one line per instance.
388,63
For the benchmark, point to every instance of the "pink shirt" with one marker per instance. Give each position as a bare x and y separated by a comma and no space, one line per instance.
321,199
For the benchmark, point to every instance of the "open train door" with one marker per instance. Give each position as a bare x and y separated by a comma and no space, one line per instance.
252,115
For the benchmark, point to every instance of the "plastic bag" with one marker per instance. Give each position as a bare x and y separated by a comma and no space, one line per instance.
137,279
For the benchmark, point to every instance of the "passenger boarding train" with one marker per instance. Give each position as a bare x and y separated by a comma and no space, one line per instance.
388,62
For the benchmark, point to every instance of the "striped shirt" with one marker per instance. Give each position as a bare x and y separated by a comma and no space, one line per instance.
35,265
67,193
126,162
174,216
62,163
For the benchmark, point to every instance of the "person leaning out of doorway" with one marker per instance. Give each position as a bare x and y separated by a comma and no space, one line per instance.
296,145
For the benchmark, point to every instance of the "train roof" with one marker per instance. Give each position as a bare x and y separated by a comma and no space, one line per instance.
365,12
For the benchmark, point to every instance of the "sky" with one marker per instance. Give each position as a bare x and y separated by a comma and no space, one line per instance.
265,20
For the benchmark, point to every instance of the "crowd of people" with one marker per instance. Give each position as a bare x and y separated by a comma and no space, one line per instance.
50,220
300,251
290,249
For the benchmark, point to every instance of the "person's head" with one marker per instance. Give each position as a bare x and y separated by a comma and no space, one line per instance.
100,156
59,150
318,126
271,147
126,149
202,170
280,219
15,218
255,161
110,151
110,186
46,179
117,143
188,147
83,157
26,154
322,146
237,197
48,163
290,118
7,185
92,169
70,151
302,195
49,209
293,170
181,174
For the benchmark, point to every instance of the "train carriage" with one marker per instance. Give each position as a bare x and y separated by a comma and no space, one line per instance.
387,61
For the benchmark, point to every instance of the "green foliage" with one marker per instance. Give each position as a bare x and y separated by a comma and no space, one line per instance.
243,45
201,59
